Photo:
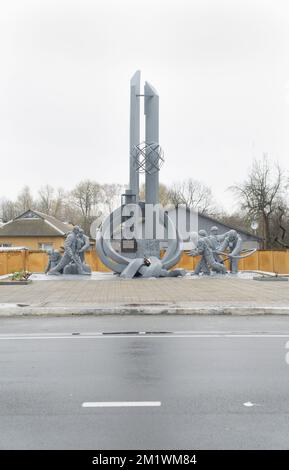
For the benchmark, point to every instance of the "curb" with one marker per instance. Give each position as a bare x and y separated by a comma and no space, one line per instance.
20,311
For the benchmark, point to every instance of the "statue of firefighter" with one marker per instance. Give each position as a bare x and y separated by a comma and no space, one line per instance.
215,240
233,243
54,258
83,244
71,262
202,266
207,261
149,267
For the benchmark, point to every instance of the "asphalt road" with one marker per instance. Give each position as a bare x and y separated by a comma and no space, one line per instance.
218,383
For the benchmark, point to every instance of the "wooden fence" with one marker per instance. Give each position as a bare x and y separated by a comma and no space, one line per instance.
36,261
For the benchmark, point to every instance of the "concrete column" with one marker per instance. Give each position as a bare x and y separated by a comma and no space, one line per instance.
134,133
151,135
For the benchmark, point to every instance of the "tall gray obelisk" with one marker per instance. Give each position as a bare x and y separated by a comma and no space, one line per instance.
151,110
134,132
137,222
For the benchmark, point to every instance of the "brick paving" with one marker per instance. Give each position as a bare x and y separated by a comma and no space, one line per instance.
115,292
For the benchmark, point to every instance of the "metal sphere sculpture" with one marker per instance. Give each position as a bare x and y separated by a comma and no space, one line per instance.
148,157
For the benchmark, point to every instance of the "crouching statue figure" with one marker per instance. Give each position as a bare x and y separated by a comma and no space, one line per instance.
208,261
53,259
72,261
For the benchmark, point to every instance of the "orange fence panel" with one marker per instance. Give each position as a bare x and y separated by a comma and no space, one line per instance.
16,261
187,262
3,263
281,262
251,263
265,261
36,261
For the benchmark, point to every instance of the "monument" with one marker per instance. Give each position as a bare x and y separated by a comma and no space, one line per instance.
72,261
215,249
135,224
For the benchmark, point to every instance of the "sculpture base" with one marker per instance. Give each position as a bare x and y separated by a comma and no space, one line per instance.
72,268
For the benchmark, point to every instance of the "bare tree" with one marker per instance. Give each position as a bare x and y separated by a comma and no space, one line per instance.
59,202
111,196
193,193
260,194
50,201
24,200
46,199
280,225
70,213
86,196
164,194
238,219
7,210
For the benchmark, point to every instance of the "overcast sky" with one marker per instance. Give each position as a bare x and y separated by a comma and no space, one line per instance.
221,68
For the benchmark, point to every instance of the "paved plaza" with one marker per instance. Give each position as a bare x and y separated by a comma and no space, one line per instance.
184,295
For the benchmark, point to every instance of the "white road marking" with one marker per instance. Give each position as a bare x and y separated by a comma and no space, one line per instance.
114,404
143,336
249,404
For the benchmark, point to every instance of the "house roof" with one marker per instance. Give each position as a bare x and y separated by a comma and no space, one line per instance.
34,224
229,227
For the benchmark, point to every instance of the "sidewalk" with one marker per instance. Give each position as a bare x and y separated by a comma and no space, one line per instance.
111,295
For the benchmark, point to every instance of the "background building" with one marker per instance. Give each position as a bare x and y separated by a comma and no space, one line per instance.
35,231
249,239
